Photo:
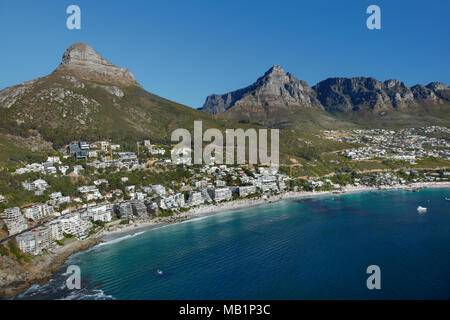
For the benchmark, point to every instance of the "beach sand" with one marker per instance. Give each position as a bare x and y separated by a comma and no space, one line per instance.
211,209
15,278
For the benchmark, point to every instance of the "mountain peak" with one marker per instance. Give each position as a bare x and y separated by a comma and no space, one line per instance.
275,90
79,53
85,61
275,70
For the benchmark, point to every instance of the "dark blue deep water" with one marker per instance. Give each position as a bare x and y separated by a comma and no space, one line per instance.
314,248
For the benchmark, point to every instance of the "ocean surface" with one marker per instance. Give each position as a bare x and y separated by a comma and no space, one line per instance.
309,248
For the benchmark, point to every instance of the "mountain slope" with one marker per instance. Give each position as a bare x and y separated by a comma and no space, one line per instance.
87,97
279,98
276,89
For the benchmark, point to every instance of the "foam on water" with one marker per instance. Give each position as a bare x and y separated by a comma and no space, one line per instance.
316,249
117,240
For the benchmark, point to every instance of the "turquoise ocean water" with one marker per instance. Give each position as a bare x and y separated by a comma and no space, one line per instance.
310,248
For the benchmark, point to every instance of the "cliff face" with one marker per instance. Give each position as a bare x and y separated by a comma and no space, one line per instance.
16,277
88,63
277,89
343,94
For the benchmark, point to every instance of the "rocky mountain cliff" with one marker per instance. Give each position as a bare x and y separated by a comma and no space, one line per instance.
346,94
277,91
87,97
89,64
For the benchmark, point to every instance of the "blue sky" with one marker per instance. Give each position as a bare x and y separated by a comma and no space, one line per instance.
186,50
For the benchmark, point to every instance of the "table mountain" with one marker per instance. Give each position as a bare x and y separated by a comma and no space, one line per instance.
345,94
278,97
275,89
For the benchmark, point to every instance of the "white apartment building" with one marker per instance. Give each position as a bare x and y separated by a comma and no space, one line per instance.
27,242
244,191
38,212
221,194
105,216
14,220
195,199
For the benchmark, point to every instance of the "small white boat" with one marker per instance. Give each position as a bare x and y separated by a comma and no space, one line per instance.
159,272
421,209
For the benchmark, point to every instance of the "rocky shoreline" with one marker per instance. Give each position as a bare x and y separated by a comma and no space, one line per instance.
15,278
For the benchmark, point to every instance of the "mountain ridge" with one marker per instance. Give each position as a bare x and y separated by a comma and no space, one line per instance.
337,96
87,97
275,82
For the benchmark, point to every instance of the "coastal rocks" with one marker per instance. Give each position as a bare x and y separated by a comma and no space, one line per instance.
16,278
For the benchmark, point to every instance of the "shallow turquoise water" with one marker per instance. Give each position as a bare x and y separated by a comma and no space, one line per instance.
316,248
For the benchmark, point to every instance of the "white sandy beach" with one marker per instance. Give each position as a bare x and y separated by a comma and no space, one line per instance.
210,209
43,267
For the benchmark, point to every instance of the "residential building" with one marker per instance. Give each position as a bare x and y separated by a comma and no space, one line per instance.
139,209
14,220
159,189
220,194
27,242
38,212
195,199
105,216
56,230
125,210
245,191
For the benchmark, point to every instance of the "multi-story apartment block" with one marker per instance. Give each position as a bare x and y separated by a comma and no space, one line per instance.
36,240
125,210
105,216
139,209
56,229
38,212
14,220
245,191
195,199
220,194
27,242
